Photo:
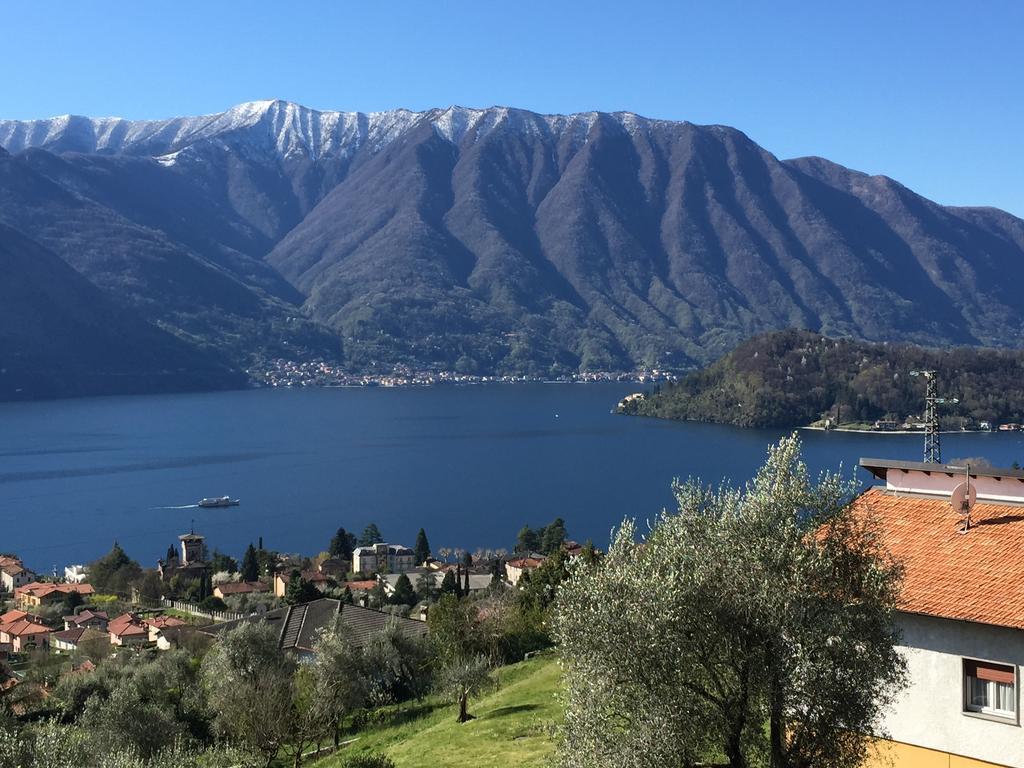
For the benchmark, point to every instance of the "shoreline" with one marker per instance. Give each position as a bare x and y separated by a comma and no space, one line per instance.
919,432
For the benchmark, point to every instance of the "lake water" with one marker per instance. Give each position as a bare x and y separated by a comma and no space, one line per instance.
470,464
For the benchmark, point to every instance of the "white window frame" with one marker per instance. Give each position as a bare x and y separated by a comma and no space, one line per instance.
990,712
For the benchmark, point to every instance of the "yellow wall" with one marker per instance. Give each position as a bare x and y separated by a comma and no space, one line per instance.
893,754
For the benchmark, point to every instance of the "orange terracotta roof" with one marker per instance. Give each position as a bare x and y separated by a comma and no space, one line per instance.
42,589
364,585
26,627
126,624
241,587
977,576
163,622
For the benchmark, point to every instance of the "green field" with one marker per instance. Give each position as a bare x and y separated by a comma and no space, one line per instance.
513,726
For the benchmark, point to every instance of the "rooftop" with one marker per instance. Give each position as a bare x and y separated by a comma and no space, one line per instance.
977,576
299,624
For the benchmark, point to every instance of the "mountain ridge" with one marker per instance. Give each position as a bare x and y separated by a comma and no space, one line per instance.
500,240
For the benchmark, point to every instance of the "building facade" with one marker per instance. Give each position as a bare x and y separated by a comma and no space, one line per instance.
383,558
961,615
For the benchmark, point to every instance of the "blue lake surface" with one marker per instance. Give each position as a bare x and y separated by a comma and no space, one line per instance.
470,464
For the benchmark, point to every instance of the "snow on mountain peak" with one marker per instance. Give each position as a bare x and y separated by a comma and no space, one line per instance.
288,129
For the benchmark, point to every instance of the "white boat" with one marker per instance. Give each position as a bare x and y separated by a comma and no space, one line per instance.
220,501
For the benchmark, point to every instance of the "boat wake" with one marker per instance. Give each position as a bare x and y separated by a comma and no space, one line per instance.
183,506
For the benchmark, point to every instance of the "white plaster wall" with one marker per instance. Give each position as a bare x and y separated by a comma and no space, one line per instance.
929,713
938,483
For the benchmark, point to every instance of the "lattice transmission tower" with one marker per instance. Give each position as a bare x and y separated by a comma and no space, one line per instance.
932,401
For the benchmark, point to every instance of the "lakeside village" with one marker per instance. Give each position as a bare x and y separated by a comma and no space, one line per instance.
318,373
261,662
61,624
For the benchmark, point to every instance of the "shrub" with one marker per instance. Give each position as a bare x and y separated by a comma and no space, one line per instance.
372,760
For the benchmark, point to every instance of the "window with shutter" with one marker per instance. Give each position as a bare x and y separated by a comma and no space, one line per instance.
990,689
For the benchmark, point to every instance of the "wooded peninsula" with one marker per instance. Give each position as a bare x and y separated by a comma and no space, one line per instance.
798,378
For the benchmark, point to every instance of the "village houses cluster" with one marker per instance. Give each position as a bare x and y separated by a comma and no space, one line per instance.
961,614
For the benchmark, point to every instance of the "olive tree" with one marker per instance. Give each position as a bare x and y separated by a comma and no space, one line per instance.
752,622
340,685
462,679
250,684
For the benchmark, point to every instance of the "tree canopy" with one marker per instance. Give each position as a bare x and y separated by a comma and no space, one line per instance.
342,544
422,547
793,378
371,535
114,572
754,622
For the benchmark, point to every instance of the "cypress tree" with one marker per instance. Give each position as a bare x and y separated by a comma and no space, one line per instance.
422,547
467,561
250,564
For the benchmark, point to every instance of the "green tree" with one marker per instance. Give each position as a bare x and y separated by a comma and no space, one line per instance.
250,564
422,548
767,636
398,666
378,596
299,590
528,540
404,593
342,544
250,685
449,585
221,563
464,678
114,571
454,630
426,587
553,536
340,682
72,601
371,535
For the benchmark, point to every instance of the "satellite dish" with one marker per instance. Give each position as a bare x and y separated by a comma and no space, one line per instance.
964,498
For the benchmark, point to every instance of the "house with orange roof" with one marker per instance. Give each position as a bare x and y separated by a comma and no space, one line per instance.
156,625
959,534
38,593
24,633
13,573
515,568
127,630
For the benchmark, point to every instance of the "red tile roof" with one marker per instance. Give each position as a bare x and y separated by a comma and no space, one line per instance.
242,587
361,585
126,624
164,622
977,576
25,627
43,589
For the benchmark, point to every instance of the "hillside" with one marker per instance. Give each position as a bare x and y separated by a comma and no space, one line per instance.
498,240
512,726
60,336
793,378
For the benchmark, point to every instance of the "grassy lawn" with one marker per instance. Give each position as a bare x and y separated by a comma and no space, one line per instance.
512,726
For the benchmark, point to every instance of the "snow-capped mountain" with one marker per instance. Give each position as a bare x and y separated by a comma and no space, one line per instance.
497,239
291,129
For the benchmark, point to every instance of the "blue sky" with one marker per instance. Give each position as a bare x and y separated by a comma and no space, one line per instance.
930,93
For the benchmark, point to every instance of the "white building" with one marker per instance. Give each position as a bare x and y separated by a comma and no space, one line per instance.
75,574
961,615
387,558
13,574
